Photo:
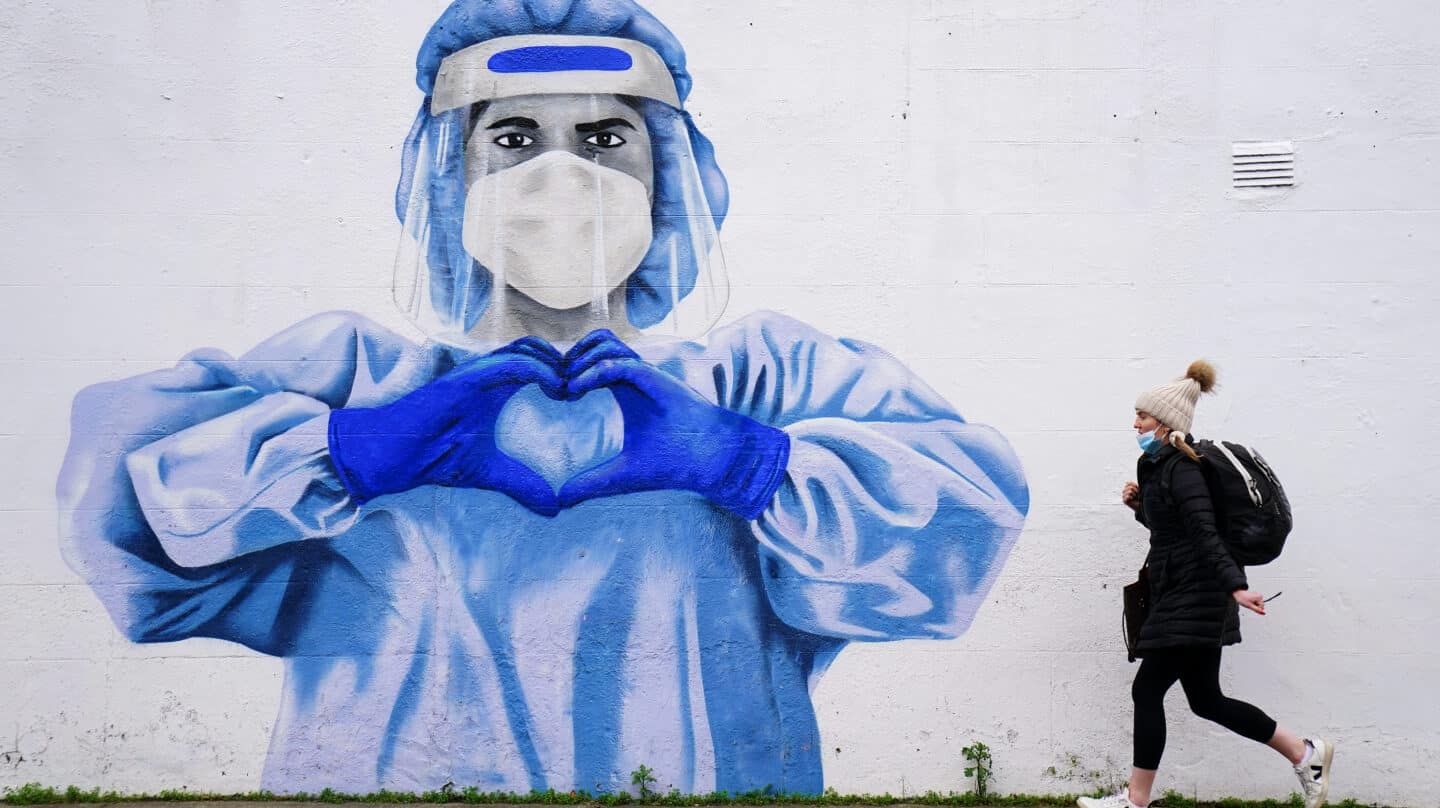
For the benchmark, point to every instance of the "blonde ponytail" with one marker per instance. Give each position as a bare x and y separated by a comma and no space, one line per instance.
1177,439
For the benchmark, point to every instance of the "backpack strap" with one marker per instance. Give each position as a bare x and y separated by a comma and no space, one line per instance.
1250,485
1167,473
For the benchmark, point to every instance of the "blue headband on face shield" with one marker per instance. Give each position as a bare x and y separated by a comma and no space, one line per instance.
650,289
549,63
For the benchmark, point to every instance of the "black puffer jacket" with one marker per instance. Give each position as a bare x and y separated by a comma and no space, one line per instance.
1192,575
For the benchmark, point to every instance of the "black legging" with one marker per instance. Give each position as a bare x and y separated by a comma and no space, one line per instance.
1198,671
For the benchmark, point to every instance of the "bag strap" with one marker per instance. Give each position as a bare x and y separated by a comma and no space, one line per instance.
1167,473
1250,485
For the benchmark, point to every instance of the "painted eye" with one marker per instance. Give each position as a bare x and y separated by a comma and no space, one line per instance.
605,140
513,140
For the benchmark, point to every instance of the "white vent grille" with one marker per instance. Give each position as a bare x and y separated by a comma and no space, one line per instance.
1263,165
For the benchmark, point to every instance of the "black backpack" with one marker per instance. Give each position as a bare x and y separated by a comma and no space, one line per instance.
1252,513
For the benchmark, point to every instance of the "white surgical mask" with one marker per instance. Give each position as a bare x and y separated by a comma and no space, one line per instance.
560,229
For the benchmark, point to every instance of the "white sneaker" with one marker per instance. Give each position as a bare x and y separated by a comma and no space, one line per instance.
1314,773
1121,800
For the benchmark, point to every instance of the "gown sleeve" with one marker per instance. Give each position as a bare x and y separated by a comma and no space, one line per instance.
895,515
189,496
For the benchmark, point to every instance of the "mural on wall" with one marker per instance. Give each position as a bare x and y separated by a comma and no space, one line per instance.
576,529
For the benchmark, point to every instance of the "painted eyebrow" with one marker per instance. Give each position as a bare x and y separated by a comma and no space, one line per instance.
600,126
522,123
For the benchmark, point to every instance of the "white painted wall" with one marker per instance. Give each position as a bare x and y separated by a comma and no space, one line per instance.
1028,201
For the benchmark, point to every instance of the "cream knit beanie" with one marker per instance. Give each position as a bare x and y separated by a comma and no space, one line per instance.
1174,403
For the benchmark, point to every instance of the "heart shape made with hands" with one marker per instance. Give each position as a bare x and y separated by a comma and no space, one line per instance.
617,425
559,439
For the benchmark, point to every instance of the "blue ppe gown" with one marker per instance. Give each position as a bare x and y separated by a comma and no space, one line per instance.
447,635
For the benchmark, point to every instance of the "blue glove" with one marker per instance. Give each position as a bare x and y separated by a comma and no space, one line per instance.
597,346
443,433
674,439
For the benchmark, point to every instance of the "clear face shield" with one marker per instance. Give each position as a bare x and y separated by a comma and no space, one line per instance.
555,190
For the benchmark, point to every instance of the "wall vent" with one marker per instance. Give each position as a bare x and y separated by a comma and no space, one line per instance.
1263,165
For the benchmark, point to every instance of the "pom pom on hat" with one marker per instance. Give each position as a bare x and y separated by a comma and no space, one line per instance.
1173,403
1203,373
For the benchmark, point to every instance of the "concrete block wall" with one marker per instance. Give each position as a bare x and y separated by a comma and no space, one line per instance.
1029,203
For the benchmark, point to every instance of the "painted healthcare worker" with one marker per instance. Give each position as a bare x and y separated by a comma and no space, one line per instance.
556,540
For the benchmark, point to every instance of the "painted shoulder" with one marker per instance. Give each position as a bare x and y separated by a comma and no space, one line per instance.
333,335
786,337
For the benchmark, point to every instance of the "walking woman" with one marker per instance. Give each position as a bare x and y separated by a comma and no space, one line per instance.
1196,590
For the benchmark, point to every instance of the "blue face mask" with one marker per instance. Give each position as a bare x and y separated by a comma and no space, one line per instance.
1149,444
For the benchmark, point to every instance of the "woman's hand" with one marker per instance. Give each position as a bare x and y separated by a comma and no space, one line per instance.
1254,601
1130,495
